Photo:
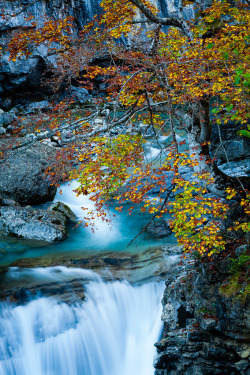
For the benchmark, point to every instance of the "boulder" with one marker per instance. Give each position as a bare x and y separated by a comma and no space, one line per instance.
6,118
64,209
22,176
159,229
78,94
42,106
8,202
29,223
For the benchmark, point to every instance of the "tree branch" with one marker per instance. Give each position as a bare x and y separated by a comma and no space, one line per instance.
165,21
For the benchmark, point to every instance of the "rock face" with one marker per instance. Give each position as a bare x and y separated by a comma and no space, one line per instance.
22,177
20,81
226,145
33,224
205,332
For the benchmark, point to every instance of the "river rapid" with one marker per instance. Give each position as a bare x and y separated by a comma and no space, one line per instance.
59,318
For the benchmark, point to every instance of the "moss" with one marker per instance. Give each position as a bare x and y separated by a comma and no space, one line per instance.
237,288
238,285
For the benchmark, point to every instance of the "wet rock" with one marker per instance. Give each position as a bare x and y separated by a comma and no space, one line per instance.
172,249
209,331
237,168
159,229
64,209
23,178
33,224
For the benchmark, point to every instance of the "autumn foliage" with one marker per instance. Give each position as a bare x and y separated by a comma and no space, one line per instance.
196,71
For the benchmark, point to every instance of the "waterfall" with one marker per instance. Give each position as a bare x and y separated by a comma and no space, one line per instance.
112,332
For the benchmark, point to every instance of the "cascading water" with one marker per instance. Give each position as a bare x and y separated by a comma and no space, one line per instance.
78,204
111,333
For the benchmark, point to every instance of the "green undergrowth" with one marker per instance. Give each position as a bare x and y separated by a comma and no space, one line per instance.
238,284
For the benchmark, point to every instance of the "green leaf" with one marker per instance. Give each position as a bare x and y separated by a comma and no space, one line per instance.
210,45
244,133
230,107
237,80
234,117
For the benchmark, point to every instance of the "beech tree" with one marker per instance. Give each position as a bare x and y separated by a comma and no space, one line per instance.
196,70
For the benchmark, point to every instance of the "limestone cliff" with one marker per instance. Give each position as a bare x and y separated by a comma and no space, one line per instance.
206,331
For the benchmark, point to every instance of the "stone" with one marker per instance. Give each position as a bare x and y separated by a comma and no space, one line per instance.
240,250
78,94
242,365
29,223
244,353
208,324
54,138
2,131
9,202
64,209
234,146
159,229
7,118
22,176
42,106
172,249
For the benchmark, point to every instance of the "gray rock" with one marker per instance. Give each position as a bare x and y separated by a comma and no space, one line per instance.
240,250
242,365
41,106
78,94
6,118
208,324
2,131
172,249
9,202
23,179
209,331
64,209
237,168
159,229
233,146
33,224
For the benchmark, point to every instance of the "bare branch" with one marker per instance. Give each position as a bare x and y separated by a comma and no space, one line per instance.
165,21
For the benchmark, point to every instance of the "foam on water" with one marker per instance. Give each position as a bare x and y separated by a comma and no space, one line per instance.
111,333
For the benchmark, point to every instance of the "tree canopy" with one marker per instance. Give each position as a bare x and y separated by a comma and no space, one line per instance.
195,70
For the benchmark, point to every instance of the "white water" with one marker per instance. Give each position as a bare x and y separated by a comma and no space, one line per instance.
112,333
104,232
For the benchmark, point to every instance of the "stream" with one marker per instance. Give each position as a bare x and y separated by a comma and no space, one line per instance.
87,305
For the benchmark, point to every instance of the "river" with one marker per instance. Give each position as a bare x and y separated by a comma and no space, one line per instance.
64,320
